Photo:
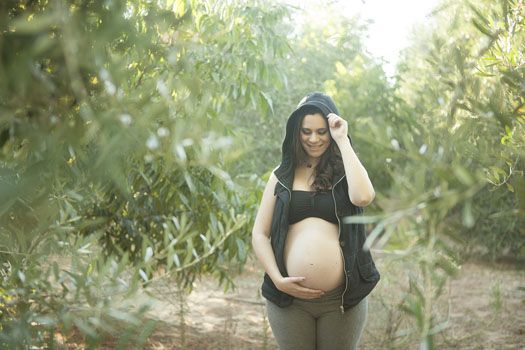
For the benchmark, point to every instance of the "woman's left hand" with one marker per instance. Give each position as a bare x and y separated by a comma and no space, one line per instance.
338,127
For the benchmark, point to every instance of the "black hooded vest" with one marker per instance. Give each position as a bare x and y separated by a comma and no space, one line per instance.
361,274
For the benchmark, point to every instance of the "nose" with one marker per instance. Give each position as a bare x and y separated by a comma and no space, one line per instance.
314,137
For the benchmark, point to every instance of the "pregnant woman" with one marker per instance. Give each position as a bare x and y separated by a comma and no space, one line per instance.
317,273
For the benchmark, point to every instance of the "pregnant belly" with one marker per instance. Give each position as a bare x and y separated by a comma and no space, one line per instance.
312,251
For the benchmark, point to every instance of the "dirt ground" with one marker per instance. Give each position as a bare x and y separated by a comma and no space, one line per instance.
483,307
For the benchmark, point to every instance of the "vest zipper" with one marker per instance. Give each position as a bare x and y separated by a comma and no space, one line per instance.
342,254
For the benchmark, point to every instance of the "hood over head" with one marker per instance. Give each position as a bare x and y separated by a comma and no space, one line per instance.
326,105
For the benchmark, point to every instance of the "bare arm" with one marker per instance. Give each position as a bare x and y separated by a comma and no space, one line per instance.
360,189
261,231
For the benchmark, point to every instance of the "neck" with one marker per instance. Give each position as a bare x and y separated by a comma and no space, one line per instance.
312,162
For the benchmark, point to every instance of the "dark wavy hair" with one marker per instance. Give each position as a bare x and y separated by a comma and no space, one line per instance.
330,164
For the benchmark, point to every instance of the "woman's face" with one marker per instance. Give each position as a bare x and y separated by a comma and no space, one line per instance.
315,135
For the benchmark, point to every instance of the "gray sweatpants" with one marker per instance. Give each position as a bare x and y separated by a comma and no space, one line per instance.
318,324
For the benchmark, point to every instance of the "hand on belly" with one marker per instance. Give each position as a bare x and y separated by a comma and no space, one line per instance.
292,286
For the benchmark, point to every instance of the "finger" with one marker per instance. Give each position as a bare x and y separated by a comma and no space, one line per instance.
309,291
332,117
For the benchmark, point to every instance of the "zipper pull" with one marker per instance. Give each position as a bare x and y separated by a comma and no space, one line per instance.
342,309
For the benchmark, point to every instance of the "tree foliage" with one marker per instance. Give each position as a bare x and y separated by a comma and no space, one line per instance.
113,151
456,156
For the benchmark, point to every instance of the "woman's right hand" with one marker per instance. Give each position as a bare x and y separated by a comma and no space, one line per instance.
291,286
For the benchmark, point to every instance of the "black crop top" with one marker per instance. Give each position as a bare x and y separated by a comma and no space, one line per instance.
305,204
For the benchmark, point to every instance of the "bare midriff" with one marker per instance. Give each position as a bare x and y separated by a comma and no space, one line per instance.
312,251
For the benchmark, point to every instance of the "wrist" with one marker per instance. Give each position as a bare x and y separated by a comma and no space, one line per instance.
277,281
343,142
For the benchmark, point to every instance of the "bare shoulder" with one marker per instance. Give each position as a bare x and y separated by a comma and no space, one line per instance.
270,184
272,179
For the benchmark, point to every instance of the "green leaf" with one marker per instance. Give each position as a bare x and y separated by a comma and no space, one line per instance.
176,259
181,7
467,215
34,24
482,28
241,250
268,100
463,175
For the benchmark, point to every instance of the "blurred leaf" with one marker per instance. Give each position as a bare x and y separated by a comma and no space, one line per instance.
34,23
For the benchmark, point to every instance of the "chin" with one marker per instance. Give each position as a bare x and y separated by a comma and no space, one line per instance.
316,154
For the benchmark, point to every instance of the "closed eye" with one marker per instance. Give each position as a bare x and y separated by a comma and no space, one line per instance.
319,131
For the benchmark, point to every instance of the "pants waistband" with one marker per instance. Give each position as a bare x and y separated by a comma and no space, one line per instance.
336,291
